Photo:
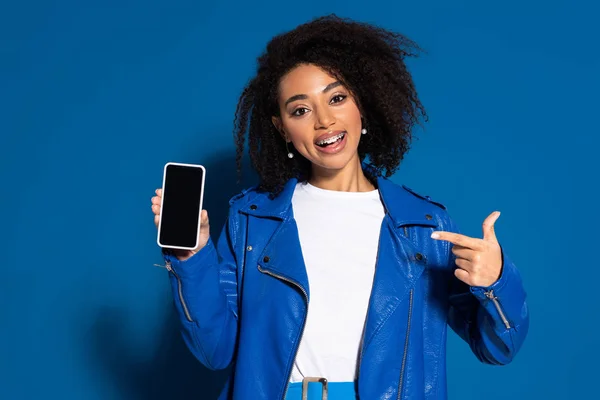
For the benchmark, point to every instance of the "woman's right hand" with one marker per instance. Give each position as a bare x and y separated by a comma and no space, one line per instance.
183,255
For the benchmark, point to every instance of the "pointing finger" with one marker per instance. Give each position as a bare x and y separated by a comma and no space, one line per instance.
458,239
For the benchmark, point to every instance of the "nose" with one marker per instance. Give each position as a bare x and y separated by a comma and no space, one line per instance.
324,118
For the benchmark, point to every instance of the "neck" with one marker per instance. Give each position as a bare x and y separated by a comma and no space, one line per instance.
348,179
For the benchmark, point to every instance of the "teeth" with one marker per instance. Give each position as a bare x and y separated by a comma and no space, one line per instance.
331,139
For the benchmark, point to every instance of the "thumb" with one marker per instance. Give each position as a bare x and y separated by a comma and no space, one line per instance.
204,224
489,232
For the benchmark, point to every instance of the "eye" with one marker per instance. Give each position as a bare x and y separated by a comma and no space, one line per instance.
338,98
298,112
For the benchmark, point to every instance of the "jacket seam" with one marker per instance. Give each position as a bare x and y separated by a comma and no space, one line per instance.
512,343
378,328
199,344
221,334
437,368
237,261
285,381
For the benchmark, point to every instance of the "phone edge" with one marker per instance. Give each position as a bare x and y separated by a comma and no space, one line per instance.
163,198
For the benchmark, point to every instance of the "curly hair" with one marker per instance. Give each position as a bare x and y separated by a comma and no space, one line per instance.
367,59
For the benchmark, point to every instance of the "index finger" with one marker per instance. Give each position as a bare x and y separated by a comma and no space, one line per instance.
458,239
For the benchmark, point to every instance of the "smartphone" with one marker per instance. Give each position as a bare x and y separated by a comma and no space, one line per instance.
181,206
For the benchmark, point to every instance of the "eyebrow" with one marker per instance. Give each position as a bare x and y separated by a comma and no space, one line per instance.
304,97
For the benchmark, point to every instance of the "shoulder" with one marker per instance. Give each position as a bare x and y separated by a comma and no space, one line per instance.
245,196
424,197
444,220
407,206
400,192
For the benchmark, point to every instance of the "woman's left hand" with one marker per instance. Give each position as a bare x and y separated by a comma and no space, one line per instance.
479,261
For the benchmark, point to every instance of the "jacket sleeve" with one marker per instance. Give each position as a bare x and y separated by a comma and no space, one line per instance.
204,290
493,320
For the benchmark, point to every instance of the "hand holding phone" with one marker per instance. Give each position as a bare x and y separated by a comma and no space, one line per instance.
182,224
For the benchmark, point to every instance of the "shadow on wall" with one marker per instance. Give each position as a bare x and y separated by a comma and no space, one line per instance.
173,373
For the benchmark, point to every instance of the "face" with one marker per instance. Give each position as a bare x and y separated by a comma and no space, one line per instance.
319,117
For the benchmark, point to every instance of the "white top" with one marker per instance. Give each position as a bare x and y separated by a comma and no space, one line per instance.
339,235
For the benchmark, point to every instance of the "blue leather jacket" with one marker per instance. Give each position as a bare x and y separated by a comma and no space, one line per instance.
244,301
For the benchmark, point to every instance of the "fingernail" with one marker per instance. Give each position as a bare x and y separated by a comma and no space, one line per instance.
435,235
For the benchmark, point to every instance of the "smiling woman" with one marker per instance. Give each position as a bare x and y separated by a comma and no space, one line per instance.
329,280
329,75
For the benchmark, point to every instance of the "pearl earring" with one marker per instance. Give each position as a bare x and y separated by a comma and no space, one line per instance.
290,154
364,131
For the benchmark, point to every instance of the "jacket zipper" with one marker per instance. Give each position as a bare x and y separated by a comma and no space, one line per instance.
303,322
490,295
410,307
180,290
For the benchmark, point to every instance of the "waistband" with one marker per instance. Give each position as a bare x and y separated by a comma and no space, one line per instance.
335,391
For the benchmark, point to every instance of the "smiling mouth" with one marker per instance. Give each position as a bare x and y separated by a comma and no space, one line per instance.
331,140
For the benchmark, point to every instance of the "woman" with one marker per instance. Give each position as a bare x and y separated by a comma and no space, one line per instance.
327,273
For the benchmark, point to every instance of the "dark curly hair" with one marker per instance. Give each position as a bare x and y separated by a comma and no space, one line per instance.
367,59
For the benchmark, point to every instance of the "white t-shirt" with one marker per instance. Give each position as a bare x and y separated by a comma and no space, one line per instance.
339,235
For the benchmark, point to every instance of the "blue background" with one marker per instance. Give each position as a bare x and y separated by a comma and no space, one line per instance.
97,95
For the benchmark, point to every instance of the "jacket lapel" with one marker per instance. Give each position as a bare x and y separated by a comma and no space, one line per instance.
282,257
404,210
273,226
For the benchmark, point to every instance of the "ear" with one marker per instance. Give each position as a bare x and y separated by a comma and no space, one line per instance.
279,126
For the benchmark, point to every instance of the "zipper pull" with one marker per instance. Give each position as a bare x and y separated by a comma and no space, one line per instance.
490,295
167,266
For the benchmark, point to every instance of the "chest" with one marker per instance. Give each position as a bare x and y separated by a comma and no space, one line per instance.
339,241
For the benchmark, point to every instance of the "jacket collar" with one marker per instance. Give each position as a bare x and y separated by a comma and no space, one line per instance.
404,206
279,207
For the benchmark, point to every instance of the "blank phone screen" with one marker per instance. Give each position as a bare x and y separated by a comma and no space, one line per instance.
181,206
